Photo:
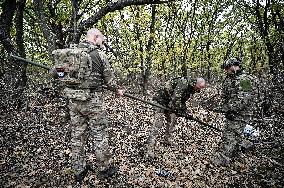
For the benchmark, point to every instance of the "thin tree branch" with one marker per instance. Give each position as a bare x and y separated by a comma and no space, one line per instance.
48,35
111,7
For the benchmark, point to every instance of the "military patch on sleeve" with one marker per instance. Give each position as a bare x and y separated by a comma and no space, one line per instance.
245,85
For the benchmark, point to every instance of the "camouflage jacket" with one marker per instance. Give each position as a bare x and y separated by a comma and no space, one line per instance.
240,94
175,93
102,72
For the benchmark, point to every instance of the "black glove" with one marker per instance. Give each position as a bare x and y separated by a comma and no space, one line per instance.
53,73
188,115
179,112
230,115
183,113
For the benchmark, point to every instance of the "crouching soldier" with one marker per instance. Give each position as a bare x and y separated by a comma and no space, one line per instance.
173,95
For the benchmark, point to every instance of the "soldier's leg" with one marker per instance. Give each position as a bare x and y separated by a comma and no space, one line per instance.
100,141
229,143
171,120
98,132
154,131
231,137
78,126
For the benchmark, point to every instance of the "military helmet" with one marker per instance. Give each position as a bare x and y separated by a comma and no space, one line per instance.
230,62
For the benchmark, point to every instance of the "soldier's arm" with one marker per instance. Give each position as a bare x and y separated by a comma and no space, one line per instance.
53,73
176,101
225,92
245,95
108,72
225,99
108,75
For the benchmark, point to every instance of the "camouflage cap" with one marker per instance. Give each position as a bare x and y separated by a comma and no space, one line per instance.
230,62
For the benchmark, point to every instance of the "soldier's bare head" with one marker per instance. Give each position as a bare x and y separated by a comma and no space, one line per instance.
200,84
95,36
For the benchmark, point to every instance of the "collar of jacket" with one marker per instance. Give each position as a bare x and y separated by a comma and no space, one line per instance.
86,42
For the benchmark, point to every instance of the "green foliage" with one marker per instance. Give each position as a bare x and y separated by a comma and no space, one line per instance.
187,34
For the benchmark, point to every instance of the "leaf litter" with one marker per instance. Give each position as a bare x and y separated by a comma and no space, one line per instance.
35,150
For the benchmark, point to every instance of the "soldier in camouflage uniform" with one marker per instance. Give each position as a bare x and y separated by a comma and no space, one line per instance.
240,98
88,117
173,95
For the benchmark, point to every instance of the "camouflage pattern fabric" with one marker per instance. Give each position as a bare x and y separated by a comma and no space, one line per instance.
159,118
87,114
89,124
240,97
83,66
72,64
241,94
102,72
173,95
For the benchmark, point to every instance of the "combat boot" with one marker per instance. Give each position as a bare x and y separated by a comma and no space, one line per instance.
220,159
107,173
150,151
80,177
246,146
169,141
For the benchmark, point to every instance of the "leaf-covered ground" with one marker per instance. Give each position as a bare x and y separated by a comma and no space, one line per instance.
35,148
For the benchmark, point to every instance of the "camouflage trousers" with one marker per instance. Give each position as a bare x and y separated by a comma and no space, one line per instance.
230,141
230,137
159,118
89,125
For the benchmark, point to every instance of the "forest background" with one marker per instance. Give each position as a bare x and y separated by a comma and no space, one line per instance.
151,37
153,41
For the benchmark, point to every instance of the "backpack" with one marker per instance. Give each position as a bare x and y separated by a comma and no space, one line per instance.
72,64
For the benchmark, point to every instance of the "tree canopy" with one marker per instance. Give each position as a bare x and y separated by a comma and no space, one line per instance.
150,36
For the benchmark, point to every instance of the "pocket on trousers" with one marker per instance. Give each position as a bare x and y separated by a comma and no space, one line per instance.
77,94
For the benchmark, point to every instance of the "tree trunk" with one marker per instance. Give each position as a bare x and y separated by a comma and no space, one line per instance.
147,72
13,80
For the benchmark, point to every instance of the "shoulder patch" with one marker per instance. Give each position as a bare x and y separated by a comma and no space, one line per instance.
245,85
72,64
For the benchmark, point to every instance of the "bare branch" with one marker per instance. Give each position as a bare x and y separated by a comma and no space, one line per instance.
49,36
111,7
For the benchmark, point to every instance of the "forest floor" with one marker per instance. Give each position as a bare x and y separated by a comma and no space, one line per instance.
35,149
